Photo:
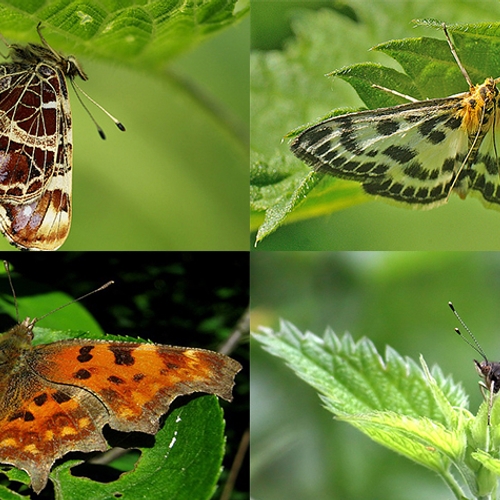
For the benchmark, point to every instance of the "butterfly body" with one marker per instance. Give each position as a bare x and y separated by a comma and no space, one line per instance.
490,371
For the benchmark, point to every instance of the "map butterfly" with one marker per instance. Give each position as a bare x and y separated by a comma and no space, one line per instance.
416,153
36,145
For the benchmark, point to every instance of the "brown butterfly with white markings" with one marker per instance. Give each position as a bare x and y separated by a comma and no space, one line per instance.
36,145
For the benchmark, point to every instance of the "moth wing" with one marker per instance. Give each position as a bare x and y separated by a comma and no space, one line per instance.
485,174
408,153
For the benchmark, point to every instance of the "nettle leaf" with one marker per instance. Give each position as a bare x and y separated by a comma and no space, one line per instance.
490,464
354,379
183,461
429,71
422,440
278,188
363,76
411,409
483,457
146,34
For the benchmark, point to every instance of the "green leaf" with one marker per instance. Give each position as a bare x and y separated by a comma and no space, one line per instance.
184,462
422,440
142,34
490,464
277,191
39,301
429,71
353,378
414,411
363,76
10,495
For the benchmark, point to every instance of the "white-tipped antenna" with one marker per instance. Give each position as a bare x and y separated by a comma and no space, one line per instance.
35,320
119,124
476,346
76,87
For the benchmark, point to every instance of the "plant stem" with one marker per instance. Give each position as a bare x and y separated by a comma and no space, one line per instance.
454,486
223,116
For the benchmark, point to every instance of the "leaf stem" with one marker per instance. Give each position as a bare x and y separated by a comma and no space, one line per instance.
226,119
452,483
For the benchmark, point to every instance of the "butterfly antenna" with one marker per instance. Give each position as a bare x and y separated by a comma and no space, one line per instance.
7,270
476,346
76,87
35,320
118,123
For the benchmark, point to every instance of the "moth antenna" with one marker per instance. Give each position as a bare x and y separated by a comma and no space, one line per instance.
99,129
476,346
455,56
7,270
39,28
35,320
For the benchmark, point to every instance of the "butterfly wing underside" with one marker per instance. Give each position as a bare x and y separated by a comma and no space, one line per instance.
35,156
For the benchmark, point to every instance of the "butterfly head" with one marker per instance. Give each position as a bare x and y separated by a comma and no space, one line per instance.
36,55
490,371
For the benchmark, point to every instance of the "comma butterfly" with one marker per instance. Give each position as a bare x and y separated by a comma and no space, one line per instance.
56,398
